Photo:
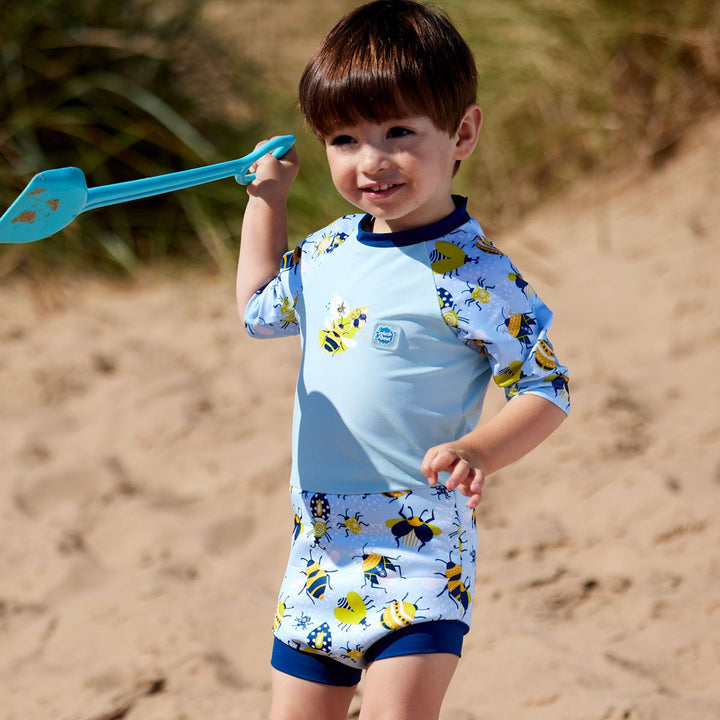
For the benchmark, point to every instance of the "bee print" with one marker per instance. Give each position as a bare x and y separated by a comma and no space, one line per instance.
341,327
320,639
447,258
545,355
509,375
520,282
320,509
413,530
287,309
449,310
317,580
352,610
291,258
455,587
376,566
479,293
559,384
520,326
298,526
355,653
396,494
328,243
351,523
280,613
399,614
482,243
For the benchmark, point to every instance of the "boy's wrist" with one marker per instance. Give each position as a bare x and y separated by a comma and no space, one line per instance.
265,194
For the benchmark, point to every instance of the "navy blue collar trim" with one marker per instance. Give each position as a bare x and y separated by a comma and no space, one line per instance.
454,220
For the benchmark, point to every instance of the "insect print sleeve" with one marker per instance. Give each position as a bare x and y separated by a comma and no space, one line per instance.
491,307
270,312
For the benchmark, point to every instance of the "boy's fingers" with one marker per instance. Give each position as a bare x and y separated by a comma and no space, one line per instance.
459,476
426,465
474,501
478,482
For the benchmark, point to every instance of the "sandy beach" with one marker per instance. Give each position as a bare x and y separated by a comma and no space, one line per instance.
145,457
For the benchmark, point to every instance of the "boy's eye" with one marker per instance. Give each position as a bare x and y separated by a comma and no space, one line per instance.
399,131
341,140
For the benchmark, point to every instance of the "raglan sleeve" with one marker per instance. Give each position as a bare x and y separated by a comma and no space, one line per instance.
508,323
271,311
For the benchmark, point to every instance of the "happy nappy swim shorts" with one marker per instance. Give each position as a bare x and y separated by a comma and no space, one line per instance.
371,576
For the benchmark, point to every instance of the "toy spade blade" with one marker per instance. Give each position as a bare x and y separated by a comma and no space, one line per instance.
51,200
54,198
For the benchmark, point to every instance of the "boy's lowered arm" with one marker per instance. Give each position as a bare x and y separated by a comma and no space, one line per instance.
264,236
522,424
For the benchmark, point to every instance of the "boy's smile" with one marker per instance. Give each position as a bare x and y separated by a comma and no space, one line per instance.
399,171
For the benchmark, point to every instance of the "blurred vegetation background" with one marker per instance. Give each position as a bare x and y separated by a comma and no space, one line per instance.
141,88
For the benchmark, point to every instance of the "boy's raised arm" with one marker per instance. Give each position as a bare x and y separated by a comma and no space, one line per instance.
264,236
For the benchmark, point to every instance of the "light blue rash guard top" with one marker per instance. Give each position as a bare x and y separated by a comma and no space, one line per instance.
401,334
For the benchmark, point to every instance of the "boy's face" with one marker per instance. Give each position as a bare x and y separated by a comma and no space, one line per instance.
398,171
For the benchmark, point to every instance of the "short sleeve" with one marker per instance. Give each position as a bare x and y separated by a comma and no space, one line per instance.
486,301
270,312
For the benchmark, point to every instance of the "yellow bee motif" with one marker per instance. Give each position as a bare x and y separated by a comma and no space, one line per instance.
291,258
479,294
482,243
287,308
520,327
298,526
352,610
399,614
509,375
448,309
280,612
320,509
455,587
521,283
545,355
395,494
559,383
317,580
353,653
319,639
482,347
413,529
329,242
375,566
351,523
341,327
447,257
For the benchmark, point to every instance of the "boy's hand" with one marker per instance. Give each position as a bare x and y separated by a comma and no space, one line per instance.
467,479
274,176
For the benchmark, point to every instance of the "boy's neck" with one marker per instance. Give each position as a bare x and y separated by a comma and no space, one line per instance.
382,226
432,231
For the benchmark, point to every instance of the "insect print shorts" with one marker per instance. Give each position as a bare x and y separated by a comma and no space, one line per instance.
371,576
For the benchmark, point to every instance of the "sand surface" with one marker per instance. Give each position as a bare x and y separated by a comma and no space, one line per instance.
145,456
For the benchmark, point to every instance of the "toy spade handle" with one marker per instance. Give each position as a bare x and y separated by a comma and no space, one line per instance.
147,187
277,147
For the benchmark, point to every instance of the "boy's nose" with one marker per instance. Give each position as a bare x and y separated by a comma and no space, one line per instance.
373,159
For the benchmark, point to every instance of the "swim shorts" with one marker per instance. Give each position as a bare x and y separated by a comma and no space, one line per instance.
371,576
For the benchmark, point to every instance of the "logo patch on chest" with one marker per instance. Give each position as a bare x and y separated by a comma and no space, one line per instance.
386,336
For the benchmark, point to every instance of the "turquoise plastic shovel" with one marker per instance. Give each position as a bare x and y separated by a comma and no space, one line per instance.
54,198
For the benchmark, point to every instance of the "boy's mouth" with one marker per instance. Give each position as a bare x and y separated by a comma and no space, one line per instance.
379,188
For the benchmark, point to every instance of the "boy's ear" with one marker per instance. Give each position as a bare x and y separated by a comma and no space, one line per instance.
468,132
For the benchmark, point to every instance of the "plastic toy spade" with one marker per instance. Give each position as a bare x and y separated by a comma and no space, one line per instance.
54,198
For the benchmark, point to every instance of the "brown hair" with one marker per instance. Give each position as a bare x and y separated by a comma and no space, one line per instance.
386,59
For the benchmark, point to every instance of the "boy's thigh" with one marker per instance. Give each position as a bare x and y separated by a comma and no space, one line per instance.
296,699
407,686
